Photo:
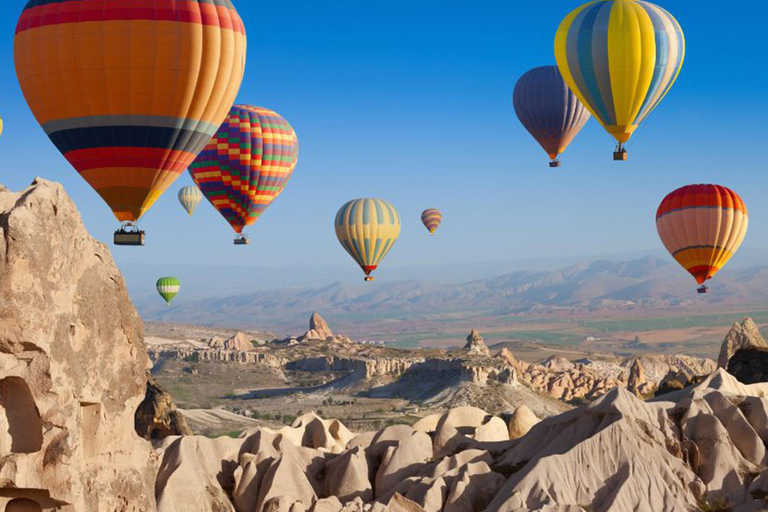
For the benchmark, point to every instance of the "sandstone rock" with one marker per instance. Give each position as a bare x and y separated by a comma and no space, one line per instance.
318,329
240,342
72,364
475,344
347,476
742,335
157,416
636,381
403,460
521,422
749,365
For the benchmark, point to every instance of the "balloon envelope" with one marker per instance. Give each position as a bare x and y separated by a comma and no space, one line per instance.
168,288
431,218
620,57
548,109
702,226
247,164
367,228
130,91
190,198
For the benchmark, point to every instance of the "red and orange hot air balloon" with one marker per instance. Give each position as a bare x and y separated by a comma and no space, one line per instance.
130,91
702,226
246,165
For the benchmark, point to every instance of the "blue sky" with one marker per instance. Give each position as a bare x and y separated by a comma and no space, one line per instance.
411,101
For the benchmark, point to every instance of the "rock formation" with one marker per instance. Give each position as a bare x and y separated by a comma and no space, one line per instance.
697,449
636,382
318,329
749,365
521,421
72,364
743,334
475,345
157,417
239,342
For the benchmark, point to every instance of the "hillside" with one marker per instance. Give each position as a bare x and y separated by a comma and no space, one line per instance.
648,282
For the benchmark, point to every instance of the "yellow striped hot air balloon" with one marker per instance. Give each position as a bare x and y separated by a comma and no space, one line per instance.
367,228
431,218
130,91
702,226
620,57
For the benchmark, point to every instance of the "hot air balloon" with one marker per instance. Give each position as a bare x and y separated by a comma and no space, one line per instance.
130,91
190,198
168,288
549,110
702,226
246,165
367,228
620,57
431,218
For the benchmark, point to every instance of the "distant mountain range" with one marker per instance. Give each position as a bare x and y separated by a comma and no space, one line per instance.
590,286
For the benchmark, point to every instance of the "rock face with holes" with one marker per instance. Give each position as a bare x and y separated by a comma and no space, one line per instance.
72,365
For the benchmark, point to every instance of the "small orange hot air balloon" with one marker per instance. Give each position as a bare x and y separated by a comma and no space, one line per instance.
702,226
431,218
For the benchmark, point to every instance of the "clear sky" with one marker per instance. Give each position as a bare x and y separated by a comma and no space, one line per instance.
410,101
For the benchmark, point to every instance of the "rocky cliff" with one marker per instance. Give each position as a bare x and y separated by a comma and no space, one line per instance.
72,364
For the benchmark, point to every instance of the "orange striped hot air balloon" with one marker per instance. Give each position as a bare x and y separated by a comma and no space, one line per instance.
702,226
130,91
431,218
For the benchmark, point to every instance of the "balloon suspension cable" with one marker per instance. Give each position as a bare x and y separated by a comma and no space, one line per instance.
620,154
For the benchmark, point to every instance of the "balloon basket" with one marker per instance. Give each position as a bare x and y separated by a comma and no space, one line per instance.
368,278
129,235
703,289
241,240
554,163
620,155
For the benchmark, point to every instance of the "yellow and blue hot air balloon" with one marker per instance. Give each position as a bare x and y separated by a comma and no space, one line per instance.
620,57
190,198
130,91
367,228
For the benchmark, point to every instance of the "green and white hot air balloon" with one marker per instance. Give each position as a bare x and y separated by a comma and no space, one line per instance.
168,288
190,198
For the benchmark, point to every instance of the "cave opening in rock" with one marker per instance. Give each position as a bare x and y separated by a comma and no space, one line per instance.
20,417
23,505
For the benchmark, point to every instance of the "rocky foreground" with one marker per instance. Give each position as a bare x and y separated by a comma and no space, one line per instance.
73,374
701,449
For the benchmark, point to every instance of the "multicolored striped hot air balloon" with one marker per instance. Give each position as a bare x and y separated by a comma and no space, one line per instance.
431,218
246,165
702,226
190,198
130,91
620,57
168,288
549,110
367,228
